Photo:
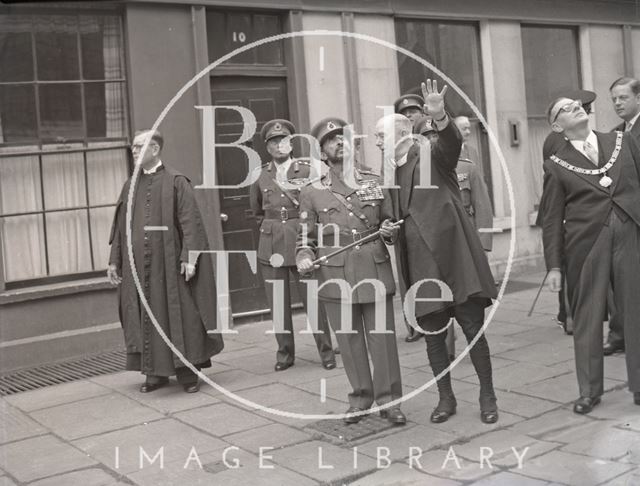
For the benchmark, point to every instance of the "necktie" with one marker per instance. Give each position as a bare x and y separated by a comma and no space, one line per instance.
592,152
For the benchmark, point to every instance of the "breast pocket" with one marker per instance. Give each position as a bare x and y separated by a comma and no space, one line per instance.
267,198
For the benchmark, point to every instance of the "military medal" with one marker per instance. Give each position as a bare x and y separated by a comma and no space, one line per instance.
605,180
370,190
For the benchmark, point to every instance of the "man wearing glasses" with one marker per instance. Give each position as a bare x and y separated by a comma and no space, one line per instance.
165,226
591,220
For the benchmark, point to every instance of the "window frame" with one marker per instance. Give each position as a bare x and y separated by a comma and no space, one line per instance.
480,129
39,147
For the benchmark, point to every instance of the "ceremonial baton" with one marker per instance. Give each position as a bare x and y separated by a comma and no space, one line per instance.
366,239
535,301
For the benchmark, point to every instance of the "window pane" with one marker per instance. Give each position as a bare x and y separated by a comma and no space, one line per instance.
101,219
23,251
64,184
18,121
451,47
56,47
68,242
20,185
550,57
267,26
16,56
60,112
105,107
106,171
101,47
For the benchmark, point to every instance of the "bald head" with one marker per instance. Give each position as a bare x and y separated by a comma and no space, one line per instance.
391,131
464,126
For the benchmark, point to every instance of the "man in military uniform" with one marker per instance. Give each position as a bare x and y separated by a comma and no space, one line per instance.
334,215
410,105
474,192
275,202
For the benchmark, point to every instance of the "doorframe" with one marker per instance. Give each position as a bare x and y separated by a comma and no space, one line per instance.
297,100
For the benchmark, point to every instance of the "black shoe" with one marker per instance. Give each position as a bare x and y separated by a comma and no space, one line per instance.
445,409
636,398
147,387
609,348
329,365
394,415
192,388
354,419
283,366
336,350
412,338
489,417
585,404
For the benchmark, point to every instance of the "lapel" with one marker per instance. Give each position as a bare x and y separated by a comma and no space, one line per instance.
606,144
573,157
407,176
635,130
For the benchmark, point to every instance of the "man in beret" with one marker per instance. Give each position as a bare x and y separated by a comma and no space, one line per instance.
591,222
410,105
333,215
275,200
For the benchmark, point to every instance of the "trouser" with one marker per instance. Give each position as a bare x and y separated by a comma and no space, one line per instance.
286,343
616,323
385,384
613,261
470,316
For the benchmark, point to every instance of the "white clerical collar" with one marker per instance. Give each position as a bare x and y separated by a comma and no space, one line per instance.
153,169
579,144
630,123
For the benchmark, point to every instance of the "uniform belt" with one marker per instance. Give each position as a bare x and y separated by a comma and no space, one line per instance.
281,214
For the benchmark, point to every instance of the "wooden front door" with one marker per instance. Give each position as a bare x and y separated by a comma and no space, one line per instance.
266,97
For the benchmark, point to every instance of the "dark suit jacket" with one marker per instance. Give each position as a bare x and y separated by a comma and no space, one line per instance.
635,129
444,238
576,206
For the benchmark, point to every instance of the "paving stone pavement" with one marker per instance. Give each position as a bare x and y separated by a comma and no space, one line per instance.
103,432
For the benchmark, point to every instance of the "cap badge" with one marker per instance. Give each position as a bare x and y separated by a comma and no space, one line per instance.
331,126
405,101
277,127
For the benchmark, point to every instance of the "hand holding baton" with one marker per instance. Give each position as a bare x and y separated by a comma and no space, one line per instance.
366,239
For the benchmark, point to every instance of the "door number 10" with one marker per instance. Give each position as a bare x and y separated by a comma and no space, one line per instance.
239,37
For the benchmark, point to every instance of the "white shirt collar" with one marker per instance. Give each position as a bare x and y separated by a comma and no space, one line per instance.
630,123
403,160
153,169
284,166
579,144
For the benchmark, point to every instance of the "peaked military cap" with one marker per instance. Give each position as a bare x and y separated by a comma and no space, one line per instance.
424,125
326,127
277,128
408,101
